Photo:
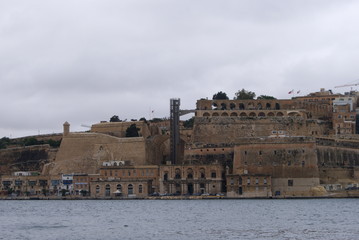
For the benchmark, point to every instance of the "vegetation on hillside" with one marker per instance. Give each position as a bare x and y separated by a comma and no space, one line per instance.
132,131
188,123
29,141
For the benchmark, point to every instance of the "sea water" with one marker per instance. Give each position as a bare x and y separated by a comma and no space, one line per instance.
180,219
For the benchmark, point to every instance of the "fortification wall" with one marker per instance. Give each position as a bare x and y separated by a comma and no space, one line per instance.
85,152
219,130
292,166
280,160
118,129
302,187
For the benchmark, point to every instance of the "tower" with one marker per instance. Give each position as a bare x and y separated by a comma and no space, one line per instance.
66,128
174,129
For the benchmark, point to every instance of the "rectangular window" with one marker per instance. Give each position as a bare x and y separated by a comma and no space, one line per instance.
257,181
290,182
248,181
265,180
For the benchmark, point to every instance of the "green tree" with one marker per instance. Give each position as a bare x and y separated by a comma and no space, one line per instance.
189,123
244,94
143,119
115,118
4,142
266,97
220,95
32,141
132,131
53,143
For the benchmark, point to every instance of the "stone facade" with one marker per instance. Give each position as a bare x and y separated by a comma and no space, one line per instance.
299,147
191,179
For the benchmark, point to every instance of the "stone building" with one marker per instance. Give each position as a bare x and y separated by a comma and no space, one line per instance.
244,148
191,179
26,184
291,166
125,181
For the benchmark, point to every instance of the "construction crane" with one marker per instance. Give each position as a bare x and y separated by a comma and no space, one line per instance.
347,85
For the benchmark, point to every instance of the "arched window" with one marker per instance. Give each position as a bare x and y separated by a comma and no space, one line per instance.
177,173
215,114
241,106
232,106
119,187
277,106
190,173
206,114
268,106
130,189
97,189
202,173
140,188
165,176
107,190
213,174
259,106
223,106
224,114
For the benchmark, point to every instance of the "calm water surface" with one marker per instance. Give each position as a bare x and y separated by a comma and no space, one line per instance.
180,219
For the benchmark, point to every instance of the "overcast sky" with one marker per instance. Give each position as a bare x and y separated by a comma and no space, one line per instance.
84,61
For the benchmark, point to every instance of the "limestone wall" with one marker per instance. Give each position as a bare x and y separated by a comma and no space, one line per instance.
299,187
280,160
219,130
85,152
118,129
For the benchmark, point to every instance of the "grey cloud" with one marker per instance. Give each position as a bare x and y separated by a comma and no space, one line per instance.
84,61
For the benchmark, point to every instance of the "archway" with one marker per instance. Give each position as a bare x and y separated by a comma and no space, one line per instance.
190,188
107,190
261,114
